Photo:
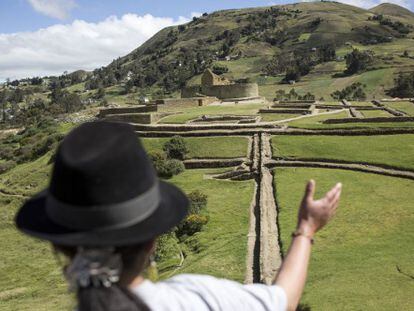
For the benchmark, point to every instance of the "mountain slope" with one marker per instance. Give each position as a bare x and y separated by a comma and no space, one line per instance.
177,55
393,10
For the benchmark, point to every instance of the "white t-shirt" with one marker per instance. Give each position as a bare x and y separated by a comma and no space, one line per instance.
202,292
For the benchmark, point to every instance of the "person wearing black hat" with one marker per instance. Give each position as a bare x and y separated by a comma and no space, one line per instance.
105,207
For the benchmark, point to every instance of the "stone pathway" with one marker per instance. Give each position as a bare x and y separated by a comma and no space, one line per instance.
270,255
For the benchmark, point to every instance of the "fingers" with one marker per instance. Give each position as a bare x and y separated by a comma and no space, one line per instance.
331,194
310,190
335,199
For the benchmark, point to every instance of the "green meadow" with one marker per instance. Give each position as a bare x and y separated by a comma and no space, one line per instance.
392,150
185,115
205,147
33,280
356,260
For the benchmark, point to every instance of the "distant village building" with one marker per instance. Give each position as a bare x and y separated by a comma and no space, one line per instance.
143,100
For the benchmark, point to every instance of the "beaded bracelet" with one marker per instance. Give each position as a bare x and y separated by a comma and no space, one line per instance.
299,232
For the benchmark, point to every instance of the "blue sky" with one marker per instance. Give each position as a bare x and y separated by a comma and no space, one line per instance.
48,37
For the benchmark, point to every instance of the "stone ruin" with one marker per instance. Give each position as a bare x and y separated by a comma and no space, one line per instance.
222,88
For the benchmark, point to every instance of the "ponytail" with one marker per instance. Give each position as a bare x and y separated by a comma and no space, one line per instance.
108,299
94,274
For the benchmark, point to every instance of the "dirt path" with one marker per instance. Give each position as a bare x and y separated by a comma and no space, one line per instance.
270,256
15,195
263,251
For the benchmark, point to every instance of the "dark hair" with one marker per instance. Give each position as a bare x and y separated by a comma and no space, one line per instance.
118,296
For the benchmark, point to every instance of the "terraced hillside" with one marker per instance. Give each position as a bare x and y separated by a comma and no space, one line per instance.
253,175
251,158
251,37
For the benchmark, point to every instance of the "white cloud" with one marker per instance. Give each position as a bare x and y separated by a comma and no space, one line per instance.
367,4
79,45
59,9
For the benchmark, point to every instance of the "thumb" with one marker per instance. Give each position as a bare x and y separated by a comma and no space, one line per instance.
310,190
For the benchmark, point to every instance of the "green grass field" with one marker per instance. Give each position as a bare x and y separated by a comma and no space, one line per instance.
37,284
223,241
205,147
315,121
376,113
225,109
406,107
34,279
393,150
354,260
268,117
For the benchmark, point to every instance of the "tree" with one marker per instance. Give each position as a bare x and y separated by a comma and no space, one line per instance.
326,53
220,69
293,74
198,201
358,61
101,93
403,85
280,95
292,94
355,91
176,148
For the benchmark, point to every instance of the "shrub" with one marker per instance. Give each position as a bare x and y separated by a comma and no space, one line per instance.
172,167
355,91
403,86
166,168
191,225
358,61
198,202
176,148
167,245
6,152
220,69
5,166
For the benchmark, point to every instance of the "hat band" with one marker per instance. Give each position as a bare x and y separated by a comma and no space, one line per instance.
111,216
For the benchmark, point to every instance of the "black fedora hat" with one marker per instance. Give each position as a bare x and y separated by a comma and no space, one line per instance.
103,192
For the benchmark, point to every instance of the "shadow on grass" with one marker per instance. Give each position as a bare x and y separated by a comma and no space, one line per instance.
303,307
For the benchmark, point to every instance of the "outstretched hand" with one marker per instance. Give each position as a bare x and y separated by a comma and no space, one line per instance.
315,214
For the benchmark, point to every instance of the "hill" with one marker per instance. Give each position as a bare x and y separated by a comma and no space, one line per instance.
246,40
392,10
304,42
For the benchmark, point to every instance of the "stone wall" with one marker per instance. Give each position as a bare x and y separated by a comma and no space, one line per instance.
209,78
240,90
121,110
139,118
369,120
191,91
186,102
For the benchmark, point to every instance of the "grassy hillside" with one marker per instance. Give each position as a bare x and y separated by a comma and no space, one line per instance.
345,26
251,39
37,284
355,259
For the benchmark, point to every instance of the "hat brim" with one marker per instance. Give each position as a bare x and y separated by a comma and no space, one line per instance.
33,220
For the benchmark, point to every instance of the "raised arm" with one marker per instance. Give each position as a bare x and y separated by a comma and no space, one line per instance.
313,215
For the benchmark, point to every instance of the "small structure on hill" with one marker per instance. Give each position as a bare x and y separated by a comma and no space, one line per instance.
222,88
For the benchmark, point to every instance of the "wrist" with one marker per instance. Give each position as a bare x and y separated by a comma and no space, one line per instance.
306,229
300,233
